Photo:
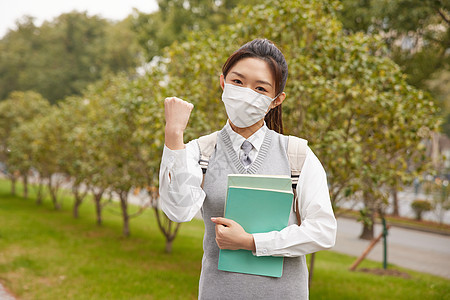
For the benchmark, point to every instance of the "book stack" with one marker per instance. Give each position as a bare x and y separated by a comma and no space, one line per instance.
259,203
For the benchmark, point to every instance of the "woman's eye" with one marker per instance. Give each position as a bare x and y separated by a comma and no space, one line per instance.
237,81
259,88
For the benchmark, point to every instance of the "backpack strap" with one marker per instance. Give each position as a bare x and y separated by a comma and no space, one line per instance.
207,144
297,149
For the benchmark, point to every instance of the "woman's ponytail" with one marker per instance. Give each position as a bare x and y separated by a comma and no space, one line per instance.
274,119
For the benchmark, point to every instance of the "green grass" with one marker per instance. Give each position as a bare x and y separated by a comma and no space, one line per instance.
46,254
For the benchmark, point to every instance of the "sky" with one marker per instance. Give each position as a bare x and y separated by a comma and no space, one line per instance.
47,10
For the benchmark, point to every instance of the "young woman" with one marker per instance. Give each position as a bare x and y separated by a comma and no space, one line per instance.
253,81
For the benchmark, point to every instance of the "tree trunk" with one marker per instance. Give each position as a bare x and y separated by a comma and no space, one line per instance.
125,216
418,215
367,233
39,192
13,185
368,217
25,185
395,202
98,212
98,206
166,229
98,209
53,194
79,197
169,246
76,205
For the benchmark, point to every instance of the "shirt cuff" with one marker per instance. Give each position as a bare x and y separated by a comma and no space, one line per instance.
172,157
263,243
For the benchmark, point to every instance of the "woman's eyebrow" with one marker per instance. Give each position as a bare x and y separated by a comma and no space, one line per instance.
238,74
263,82
258,81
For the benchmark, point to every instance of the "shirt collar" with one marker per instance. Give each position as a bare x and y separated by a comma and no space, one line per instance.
256,139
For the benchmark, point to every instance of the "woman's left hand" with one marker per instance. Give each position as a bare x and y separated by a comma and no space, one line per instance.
230,235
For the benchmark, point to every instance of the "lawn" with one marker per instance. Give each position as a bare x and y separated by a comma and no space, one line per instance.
47,254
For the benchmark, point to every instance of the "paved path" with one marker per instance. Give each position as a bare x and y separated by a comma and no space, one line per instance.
420,251
4,295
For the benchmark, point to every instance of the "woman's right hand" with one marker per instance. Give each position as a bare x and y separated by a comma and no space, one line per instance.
177,112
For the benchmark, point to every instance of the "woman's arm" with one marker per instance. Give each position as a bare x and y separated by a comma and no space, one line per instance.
180,178
318,228
180,175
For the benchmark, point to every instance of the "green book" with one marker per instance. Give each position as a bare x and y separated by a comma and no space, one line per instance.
272,182
259,204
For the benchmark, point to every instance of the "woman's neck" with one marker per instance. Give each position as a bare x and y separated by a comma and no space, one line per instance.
247,131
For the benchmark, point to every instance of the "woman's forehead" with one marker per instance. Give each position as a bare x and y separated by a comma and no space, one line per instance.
254,69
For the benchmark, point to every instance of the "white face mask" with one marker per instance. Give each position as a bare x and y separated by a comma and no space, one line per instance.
244,106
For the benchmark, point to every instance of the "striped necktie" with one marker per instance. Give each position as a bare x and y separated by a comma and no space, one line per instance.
245,159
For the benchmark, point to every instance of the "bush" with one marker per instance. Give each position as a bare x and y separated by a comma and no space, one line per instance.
420,206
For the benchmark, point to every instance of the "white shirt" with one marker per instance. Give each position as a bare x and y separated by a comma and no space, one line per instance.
256,139
182,197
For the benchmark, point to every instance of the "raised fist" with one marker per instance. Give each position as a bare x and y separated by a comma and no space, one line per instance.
177,112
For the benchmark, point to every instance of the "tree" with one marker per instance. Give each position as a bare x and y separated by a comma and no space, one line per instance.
49,148
75,161
176,19
92,166
21,156
417,33
15,48
19,108
62,57
128,138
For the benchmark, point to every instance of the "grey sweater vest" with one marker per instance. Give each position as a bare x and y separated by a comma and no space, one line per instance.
215,284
